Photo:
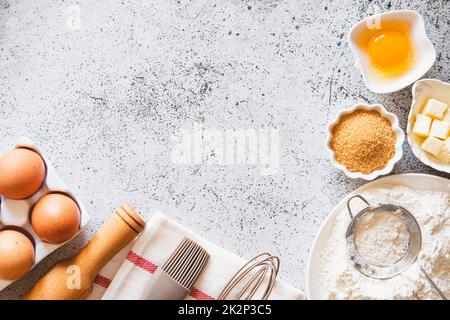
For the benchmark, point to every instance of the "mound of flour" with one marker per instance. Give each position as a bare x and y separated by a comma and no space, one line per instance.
340,280
384,231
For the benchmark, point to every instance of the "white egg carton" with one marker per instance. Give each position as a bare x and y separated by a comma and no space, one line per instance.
15,213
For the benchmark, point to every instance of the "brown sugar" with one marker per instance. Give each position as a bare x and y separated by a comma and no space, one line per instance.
363,141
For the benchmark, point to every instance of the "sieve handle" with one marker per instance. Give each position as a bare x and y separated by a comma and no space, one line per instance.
433,284
351,198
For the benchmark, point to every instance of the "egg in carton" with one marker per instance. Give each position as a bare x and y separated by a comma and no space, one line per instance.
15,215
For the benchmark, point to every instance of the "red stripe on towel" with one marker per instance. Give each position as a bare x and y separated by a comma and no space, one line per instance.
150,267
141,262
102,281
199,295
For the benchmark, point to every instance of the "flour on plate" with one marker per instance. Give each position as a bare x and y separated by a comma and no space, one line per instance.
340,280
384,231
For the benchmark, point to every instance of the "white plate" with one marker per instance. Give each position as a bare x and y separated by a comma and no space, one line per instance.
412,180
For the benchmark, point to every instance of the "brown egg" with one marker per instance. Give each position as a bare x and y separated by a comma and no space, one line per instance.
22,173
16,254
55,218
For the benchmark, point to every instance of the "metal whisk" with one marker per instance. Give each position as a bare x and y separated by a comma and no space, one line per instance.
259,274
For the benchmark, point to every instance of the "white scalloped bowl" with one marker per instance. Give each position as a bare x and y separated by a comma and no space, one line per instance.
398,145
421,91
424,52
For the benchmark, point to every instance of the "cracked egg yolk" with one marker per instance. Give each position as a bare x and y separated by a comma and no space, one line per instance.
390,51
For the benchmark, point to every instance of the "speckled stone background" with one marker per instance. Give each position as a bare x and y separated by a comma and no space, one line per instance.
104,100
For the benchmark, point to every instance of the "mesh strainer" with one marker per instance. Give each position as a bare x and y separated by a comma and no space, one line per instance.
409,257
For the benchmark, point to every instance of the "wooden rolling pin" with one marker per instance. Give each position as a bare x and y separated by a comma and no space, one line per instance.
74,278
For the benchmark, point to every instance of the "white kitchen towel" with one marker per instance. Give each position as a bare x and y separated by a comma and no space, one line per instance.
126,276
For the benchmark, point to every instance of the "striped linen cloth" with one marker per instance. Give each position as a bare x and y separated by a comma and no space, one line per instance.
127,274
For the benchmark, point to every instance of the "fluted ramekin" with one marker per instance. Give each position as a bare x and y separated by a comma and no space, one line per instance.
398,145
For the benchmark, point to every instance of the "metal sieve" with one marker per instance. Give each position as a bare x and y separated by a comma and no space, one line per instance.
410,254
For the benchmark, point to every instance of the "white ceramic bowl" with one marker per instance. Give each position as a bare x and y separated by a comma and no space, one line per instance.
424,52
421,92
398,145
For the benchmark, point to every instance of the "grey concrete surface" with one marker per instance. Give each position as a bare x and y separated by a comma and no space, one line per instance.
104,95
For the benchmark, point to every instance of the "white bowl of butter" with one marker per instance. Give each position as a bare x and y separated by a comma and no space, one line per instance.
429,123
392,50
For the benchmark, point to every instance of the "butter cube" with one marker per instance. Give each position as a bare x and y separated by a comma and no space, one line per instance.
432,145
435,109
447,116
444,153
422,125
439,129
